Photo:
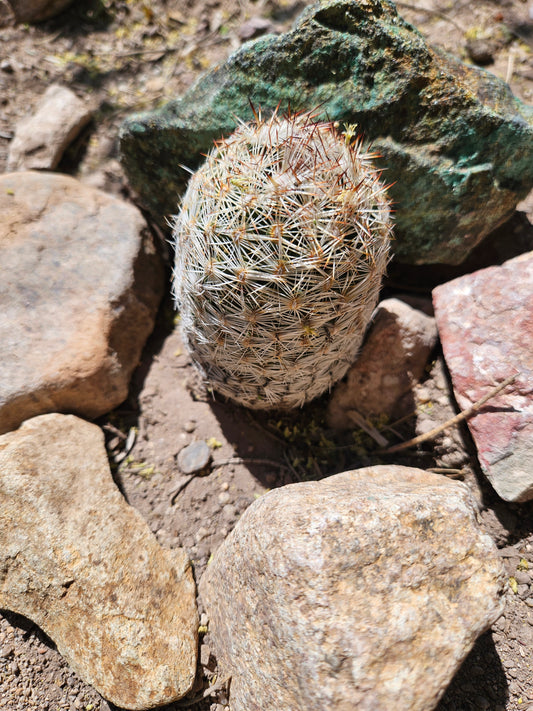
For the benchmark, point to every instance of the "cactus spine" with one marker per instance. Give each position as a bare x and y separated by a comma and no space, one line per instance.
281,244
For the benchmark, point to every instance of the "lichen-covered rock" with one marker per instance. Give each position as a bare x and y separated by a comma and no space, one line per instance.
365,590
83,565
81,283
455,142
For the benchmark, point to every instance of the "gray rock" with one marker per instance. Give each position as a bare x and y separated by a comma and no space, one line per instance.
456,145
83,565
36,10
485,322
254,27
81,283
365,590
391,362
41,139
194,457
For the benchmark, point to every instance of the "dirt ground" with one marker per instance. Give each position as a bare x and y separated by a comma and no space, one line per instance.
124,56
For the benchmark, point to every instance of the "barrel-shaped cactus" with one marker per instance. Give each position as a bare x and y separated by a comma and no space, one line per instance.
281,244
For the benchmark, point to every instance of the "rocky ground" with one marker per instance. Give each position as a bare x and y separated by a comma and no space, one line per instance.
119,57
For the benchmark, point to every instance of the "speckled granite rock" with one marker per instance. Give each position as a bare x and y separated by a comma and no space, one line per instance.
81,283
485,321
82,564
41,139
455,142
391,362
363,590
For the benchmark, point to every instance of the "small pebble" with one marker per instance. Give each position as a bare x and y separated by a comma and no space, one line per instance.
522,577
205,655
229,511
224,486
189,426
480,51
224,498
254,27
7,650
201,533
194,457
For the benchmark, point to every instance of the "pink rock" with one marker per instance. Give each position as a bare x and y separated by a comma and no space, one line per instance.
392,360
485,321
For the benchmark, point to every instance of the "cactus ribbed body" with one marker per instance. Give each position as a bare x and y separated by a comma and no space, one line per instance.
281,243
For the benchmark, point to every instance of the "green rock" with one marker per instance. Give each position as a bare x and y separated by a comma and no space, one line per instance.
452,138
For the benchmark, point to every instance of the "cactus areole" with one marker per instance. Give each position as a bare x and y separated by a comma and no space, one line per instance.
281,244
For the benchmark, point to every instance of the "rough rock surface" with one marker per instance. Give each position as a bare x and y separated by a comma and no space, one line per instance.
81,283
41,139
81,563
485,321
456,144
363,590
391,362
36,10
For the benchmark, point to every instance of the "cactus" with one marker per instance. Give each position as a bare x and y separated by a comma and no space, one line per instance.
281,244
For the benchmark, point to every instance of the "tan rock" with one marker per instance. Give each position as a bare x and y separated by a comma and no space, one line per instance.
365,591
41,139
82,564
81,283
391,362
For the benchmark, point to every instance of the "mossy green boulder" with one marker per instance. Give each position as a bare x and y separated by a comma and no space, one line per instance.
453,140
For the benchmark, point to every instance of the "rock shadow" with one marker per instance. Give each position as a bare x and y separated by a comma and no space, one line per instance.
480,681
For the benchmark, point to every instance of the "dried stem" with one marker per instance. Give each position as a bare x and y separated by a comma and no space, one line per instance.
463,415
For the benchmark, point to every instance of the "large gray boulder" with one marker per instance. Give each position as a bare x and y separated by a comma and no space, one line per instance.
362,591
455,143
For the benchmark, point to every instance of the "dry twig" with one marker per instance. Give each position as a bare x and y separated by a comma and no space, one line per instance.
361,422
463,415
240,460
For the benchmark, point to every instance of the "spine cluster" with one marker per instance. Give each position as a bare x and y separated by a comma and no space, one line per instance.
281,243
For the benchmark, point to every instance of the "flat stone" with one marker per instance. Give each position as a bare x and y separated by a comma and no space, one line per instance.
81,283
37,10
41,139
391,362
456,145
83,565
363,590
485,322
194,457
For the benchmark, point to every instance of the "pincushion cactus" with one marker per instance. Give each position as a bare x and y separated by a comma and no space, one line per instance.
281,244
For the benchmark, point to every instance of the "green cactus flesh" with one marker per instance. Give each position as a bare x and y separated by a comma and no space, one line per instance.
281,244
